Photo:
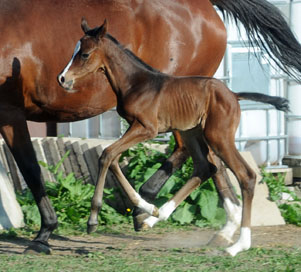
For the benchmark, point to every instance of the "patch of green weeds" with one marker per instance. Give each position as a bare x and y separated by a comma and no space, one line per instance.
291,210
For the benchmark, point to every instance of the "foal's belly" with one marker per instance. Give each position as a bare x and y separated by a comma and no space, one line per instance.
179,122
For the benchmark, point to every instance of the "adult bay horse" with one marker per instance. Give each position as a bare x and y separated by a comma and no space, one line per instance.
187,36
202,109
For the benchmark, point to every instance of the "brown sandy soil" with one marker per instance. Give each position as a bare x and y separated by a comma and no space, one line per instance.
194,238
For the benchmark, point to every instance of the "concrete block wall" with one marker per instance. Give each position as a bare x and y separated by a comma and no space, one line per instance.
11,215
82,161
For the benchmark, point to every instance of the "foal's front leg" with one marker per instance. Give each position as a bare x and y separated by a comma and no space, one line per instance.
136,133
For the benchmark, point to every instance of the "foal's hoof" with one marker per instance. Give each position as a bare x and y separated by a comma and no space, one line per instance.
139,221
91,228
145,226
36,247
155,212
218,241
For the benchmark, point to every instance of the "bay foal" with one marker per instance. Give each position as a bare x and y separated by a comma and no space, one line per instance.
203,110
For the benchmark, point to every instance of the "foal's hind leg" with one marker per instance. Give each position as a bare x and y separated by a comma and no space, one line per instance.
203,170
153,185
225,148
166,210
231,204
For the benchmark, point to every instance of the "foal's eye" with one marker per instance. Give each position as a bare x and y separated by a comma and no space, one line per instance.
85,56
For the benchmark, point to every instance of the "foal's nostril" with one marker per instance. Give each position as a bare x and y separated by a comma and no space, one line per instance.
65,84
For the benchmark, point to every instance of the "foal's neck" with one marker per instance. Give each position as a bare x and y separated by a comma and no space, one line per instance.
121,68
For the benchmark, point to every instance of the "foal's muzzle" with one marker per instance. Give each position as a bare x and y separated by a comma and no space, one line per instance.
65,84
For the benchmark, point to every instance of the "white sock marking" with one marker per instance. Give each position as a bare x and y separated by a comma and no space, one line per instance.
243,243
164,212
144,205
151,221
234,214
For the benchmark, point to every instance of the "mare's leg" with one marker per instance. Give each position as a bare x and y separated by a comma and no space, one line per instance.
135,134
203,170
224,147
14,130
230,202
153,185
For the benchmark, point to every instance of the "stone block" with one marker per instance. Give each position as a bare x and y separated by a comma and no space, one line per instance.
13,170
55,154
287,171
81,162
45,174
92,162
264,211
73,160
293,161
11,215
47,152
62,150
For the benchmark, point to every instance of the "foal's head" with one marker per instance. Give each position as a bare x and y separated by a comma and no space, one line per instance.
87,57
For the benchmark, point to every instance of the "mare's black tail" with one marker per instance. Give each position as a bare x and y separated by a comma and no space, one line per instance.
278,102
267,29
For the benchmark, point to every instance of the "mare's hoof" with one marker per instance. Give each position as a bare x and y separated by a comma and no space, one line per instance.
139,221
38,248
91,228
219,241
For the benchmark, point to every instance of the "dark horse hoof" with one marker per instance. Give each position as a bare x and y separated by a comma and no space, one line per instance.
36,247
139,221
91,228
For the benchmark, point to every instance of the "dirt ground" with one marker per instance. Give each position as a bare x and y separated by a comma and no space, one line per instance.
267,237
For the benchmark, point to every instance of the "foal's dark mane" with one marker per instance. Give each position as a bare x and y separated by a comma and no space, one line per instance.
129,53
137,60
157,78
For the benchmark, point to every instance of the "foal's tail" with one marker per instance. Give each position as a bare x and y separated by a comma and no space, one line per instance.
267,29
278,102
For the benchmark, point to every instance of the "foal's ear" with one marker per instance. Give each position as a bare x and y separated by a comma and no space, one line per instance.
102,30
84,25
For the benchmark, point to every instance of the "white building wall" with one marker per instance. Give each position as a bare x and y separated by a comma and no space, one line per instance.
257,123
294,91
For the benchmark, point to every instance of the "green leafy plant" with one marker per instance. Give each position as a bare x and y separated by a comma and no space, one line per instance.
143,163
291,213
71,199
291,210
201,208
29,208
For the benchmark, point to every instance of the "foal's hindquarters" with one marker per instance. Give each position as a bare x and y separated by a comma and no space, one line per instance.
220,116
217,130
219,133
